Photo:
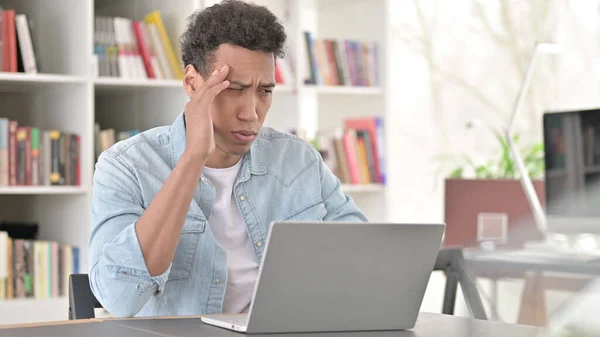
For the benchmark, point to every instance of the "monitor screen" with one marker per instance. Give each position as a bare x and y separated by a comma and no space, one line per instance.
572,161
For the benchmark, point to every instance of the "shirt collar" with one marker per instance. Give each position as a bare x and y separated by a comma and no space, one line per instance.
251,162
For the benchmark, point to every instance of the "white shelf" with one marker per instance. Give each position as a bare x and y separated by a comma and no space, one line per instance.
349,188
41,190
344,90
110,84
24,82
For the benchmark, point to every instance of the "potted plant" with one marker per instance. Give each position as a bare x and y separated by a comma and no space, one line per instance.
489,194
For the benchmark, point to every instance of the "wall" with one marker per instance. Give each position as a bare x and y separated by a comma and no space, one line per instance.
462,61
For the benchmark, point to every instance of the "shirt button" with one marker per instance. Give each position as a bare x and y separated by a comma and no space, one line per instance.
242,198
204,203
218,281
259,243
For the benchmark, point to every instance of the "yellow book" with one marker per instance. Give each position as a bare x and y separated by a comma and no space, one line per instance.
362,161
3,264
10,291
155,19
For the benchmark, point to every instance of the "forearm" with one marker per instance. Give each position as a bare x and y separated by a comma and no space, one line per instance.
159,228
118,277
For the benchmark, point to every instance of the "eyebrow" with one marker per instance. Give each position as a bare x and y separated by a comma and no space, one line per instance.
247,85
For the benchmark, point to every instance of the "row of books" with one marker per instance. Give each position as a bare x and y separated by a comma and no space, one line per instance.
138,49
16,42
355,153
105,138
35,268
30,156
341,62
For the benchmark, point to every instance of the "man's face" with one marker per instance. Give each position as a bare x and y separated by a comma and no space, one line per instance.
239,111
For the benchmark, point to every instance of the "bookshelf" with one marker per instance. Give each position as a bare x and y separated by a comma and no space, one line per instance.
69,93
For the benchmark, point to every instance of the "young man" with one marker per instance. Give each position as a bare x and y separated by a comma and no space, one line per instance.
180,213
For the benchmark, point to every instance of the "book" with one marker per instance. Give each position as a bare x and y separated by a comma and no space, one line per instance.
155,18
3,151
343,62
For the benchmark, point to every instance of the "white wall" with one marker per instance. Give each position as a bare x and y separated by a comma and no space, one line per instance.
455,61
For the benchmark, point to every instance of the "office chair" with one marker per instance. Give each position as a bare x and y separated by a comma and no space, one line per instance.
82,301
451,261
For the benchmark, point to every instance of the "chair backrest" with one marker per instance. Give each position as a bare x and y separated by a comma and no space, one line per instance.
82,301
452,262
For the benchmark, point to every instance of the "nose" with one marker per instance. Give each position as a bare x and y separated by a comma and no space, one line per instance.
248,112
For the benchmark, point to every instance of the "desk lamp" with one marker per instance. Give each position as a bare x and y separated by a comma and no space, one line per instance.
526,183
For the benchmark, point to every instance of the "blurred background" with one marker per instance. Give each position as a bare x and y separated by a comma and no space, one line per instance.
410,103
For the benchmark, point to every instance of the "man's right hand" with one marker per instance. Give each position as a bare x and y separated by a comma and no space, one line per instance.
200,141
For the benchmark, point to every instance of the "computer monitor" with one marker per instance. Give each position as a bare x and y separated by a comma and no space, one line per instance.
572,171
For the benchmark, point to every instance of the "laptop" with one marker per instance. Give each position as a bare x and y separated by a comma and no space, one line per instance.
339,276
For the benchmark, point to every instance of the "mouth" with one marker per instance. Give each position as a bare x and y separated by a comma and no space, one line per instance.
245,136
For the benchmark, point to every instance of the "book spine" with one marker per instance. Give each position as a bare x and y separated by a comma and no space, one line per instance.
38,270
19,268
35,156
28,259
12,41
66,158
47,166
3,152
56,177
22,154
25,44
5,53
155,18
28,163
75,171
10,289
12,152
144,51
3,264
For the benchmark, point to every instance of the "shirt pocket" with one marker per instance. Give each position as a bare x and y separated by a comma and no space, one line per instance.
312,212
185,254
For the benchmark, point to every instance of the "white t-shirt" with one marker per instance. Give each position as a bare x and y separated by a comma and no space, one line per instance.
230,232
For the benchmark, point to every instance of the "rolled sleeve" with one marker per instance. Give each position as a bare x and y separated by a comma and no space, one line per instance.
118,274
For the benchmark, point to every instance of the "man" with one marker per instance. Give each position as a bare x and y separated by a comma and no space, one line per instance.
180,213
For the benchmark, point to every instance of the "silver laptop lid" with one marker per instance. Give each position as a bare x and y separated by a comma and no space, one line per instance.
340,276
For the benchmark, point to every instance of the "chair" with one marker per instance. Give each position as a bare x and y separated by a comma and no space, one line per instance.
82,301
452,262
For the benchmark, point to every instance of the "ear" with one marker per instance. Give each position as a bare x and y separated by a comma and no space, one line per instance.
192,80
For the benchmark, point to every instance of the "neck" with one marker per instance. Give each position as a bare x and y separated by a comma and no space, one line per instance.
220,159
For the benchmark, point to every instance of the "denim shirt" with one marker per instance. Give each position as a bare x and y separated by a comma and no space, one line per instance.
282,178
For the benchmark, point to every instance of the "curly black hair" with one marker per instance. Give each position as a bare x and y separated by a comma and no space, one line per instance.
235,22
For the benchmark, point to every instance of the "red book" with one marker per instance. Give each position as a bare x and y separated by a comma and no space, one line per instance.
143,47
369,124
9,42
278,76
5,53
78,162
349,140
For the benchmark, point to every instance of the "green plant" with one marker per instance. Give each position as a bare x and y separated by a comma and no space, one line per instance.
500,166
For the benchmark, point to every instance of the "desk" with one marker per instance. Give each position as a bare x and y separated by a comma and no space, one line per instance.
428,325
495,265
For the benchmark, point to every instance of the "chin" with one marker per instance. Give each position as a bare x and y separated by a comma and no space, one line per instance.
239,149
